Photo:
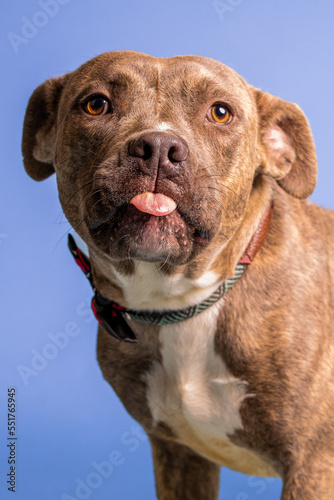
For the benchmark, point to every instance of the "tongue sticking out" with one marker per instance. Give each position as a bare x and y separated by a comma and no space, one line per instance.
154,203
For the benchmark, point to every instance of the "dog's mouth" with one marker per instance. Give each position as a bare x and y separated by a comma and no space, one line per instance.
151,227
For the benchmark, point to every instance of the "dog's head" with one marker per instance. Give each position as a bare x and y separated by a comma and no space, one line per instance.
187,130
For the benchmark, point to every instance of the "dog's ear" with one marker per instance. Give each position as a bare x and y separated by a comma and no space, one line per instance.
289,151
39,128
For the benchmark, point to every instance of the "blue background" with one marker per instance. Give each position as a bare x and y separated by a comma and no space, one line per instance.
68,418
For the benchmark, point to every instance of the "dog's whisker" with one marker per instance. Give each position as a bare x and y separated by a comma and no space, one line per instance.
78,191
83,187
229,188
61,238
217,201
211,175
226,187
136,266
165,264
234,203
97,201
93,193
59,218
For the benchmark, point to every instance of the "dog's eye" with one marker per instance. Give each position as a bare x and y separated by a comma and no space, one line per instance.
219,114
97,105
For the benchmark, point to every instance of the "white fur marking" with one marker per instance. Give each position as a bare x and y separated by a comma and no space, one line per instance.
192,386
148,288
161,127
193,392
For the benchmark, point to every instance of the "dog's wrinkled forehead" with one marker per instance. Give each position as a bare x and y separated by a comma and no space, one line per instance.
193,78
147,94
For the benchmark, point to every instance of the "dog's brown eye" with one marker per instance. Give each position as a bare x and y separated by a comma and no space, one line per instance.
220,114
97,105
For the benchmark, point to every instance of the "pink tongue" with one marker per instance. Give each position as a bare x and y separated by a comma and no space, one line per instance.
154,203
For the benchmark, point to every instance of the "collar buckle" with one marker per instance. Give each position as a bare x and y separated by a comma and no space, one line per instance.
109,315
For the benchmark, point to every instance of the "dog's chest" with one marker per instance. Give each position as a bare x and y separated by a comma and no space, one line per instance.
191,387
192,391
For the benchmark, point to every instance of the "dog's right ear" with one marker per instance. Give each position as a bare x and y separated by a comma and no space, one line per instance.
39,128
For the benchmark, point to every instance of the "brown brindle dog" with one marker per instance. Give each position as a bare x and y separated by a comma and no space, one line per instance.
167,168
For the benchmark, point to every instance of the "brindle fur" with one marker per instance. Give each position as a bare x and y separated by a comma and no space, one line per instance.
275,328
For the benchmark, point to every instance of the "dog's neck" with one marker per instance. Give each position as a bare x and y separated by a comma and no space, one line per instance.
148,287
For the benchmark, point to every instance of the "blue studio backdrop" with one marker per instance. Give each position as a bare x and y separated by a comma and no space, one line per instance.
69,423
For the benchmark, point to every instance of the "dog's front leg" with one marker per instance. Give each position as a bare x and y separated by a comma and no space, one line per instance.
181,474
310,482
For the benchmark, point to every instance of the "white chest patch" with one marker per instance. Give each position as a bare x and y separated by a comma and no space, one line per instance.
193,392
148,288
193,382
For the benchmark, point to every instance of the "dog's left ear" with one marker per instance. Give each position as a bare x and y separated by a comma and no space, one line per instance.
289,151
39,128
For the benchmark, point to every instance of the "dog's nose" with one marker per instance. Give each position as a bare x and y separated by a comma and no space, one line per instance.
157,150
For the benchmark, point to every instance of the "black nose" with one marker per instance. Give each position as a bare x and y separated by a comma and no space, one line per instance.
159,151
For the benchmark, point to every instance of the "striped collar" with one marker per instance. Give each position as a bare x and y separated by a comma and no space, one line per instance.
112,316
